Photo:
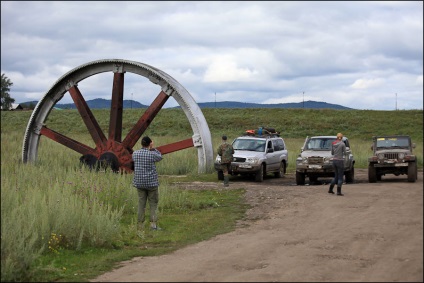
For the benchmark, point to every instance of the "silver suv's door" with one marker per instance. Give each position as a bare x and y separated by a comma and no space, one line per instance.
272,156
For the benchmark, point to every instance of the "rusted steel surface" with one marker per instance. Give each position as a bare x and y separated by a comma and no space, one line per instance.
145,120
112,149
68,142
164,149
123,154
88,117
115,122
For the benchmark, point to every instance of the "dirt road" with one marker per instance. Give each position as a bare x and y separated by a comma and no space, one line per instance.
303,234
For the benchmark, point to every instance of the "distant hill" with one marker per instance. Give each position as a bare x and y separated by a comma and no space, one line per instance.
307,104
100,103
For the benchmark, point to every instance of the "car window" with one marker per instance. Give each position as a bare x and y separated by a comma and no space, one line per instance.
269,144
278,145
249,144
319,144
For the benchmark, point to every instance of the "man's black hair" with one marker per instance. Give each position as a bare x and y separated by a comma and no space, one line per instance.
145,141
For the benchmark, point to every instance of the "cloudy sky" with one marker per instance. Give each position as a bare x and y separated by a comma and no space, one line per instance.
363,55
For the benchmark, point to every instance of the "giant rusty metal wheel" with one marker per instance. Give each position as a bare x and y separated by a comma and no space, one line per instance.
112,148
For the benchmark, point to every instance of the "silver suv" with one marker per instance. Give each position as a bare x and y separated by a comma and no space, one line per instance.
315,160
257,155
392,155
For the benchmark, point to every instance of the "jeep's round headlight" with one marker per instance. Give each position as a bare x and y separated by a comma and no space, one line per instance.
218,159
401,155
381,156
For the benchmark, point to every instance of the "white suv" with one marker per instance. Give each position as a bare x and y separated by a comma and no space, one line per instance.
257,155
315,160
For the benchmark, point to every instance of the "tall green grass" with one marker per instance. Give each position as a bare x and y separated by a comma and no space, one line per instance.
55,206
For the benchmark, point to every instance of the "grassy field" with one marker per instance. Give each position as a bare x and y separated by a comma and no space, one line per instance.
62,222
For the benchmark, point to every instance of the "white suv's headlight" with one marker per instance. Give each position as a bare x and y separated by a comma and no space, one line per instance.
252,160
218,159
300,160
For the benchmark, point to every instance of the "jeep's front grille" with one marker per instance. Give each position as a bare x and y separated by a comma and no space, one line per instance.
315,160
239,159
391,155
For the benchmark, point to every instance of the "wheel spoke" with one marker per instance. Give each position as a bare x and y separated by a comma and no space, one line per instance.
164,149
66,141
88,118
115,122
145,120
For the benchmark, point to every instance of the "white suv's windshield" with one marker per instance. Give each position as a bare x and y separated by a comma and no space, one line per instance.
319,144
247,144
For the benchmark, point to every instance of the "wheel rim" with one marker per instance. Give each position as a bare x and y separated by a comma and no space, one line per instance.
113,144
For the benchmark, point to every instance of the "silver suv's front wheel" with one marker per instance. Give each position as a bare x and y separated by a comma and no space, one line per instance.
259,177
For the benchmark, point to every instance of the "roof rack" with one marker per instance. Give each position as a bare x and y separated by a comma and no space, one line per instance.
273,135
262,132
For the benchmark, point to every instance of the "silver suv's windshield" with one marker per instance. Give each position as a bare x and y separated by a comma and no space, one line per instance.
319,144
249,144
392,142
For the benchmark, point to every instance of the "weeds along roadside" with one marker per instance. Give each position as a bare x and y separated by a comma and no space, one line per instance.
55,215
55,210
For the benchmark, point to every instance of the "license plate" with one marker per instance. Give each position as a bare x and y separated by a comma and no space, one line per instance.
245,166
315,166
401,164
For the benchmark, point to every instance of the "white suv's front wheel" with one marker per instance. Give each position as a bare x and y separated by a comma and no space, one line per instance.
300,178
259,177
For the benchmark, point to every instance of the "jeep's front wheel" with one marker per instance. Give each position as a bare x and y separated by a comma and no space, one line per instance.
372,173
259,177
412,172
280,173
300,178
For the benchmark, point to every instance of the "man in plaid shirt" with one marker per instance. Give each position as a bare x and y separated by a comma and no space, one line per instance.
146,181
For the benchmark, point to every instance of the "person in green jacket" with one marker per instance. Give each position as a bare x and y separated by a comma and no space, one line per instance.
226,152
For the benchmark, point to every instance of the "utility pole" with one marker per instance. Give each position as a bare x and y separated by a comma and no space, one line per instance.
303,100
215,99
396,102
131,99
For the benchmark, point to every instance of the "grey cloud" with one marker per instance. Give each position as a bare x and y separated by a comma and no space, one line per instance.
256,50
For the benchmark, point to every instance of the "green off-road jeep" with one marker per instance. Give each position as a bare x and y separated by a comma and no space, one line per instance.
392,155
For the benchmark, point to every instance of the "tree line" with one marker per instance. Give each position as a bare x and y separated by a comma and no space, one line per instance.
6,99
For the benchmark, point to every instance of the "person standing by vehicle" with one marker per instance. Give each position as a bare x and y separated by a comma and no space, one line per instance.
338,151
226,152
146,181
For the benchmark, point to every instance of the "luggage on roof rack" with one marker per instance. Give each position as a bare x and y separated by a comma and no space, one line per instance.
262,131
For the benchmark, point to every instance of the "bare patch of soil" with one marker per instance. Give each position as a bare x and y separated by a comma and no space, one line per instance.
301,233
